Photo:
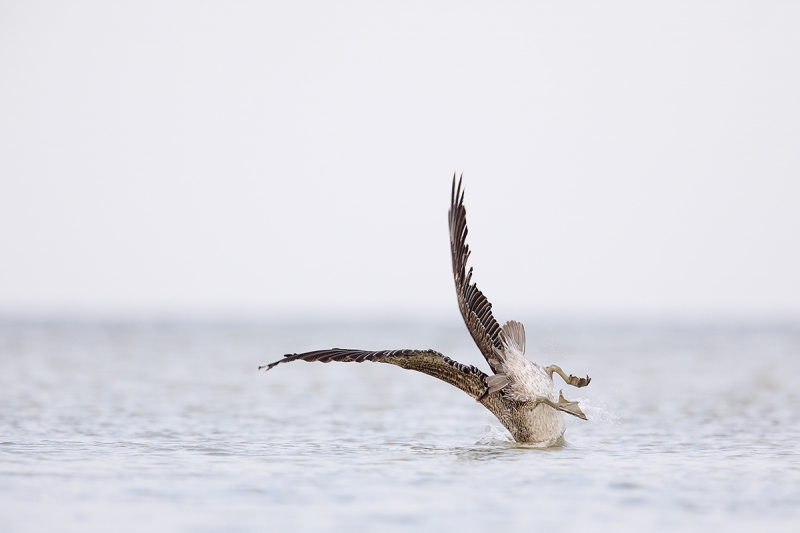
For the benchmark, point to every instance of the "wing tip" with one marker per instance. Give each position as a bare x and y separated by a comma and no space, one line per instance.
285,359
457,193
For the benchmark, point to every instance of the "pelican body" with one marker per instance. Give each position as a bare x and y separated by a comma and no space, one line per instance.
519,392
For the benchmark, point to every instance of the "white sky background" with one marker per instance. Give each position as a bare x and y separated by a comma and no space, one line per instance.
619,158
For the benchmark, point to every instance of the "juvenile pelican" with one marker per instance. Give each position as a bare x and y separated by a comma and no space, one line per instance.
520,393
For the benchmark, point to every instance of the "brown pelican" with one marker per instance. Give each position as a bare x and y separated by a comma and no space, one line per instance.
520,393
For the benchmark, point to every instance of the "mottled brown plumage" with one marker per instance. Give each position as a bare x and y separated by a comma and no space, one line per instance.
466,377
474,306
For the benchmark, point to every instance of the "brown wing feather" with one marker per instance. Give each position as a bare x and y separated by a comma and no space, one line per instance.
466,377
475,308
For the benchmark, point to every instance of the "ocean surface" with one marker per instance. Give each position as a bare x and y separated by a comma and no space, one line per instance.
168,426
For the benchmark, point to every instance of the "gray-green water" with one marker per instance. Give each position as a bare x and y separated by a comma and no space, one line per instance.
168,427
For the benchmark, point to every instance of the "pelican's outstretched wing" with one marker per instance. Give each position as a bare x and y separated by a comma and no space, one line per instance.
466,377
475,308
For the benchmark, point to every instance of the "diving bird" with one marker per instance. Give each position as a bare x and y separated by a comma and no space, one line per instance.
520,393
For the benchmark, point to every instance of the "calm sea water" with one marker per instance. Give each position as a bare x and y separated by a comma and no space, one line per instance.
169,427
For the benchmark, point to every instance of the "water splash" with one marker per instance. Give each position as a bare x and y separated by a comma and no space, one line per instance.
499,436
495,436
597,414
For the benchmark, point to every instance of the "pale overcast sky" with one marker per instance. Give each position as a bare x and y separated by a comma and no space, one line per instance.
620,158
